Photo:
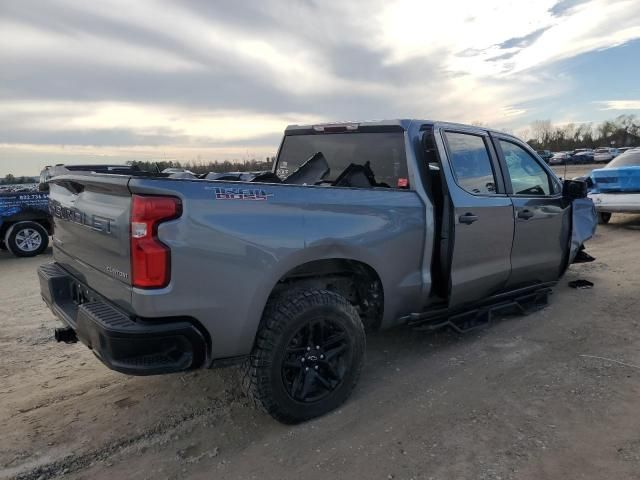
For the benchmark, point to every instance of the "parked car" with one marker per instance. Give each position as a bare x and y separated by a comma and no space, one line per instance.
361,226
25,223
582,157
174,170
616,187
624,149
545,155
560,158
605,154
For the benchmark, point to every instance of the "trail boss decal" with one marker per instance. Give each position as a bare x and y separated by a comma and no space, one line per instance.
241,194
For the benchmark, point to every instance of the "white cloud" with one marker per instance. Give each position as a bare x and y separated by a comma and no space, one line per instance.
619,105
206,126
290,61
238,77
592,26
413,28
24,43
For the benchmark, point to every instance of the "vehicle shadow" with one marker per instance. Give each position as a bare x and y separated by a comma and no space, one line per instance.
623,221
44,256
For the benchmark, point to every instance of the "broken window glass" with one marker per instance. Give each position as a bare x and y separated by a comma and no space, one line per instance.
379,157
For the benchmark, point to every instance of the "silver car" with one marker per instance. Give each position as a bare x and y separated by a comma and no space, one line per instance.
604,154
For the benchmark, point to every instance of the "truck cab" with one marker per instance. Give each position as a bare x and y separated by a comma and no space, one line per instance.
505,221
499,217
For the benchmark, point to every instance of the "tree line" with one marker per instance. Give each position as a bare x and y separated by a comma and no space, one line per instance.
622,131
10,179
206,166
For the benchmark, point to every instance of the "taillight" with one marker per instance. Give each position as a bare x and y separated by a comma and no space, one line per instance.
150,258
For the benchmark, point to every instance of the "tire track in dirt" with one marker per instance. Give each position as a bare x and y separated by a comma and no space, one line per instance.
74,463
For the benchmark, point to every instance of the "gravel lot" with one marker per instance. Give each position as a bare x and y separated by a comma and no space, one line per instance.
573,171
526,398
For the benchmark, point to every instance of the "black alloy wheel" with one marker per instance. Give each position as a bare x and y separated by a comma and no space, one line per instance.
316,360
307,356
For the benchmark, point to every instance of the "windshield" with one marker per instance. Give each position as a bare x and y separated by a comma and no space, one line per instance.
630,158
384,151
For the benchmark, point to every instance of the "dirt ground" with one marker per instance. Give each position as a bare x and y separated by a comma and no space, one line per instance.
552,395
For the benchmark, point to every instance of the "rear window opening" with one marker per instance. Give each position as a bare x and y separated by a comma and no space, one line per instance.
357,160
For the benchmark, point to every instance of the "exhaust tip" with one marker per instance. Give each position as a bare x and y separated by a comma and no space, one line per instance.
66,335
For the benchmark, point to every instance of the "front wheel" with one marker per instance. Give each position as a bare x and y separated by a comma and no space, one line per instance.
308,355
604,217
26,239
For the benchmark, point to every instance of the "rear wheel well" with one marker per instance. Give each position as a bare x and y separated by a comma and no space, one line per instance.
356,281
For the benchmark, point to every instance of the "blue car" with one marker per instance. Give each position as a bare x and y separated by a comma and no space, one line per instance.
25,223
616,187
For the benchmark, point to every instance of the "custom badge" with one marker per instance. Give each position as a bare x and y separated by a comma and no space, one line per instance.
254,194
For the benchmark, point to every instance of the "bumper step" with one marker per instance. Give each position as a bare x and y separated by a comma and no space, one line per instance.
124,343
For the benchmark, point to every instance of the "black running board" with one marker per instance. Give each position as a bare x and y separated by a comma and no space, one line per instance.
521,302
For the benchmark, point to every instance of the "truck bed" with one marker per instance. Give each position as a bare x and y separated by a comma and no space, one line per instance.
232,244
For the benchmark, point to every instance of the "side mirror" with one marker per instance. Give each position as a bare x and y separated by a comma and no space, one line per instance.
572,189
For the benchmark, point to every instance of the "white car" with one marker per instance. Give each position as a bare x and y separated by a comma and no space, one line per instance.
605,154
616,187
172,170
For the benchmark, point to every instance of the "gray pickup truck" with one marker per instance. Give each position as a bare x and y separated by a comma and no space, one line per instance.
358,227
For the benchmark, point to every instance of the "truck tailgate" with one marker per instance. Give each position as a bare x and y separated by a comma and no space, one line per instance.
91,231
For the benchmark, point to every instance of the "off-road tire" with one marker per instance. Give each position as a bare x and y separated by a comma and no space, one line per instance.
604,217
19,248
282,320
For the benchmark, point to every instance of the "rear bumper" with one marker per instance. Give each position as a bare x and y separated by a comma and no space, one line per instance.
125,344
616,202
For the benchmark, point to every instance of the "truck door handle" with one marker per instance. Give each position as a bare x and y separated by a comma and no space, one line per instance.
468,218
525,214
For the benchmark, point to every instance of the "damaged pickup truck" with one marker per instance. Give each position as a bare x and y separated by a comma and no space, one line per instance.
358,227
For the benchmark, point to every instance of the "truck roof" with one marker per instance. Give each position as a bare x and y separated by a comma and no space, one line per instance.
390,124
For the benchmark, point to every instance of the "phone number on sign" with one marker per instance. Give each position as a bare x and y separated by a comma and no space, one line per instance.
35,196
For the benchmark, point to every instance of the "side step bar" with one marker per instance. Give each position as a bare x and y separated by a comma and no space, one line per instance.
520,302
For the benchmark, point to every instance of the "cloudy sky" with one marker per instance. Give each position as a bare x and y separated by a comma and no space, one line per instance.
110,81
